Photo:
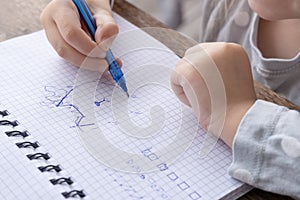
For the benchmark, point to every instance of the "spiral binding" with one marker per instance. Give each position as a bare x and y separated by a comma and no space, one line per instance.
4,113
39,156
24,134
7,122
49,168
74,193
27,144
61,181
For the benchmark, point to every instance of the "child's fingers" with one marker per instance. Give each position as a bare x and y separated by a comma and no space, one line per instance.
107,29
68,23
177,84
66,34
178,90
119,62
107,74
72,55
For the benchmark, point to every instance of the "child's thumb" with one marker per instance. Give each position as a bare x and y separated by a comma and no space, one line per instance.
107,29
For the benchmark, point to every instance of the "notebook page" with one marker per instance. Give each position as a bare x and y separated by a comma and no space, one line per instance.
20,178
38,90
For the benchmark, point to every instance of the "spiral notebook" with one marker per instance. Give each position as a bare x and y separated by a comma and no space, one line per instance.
42,155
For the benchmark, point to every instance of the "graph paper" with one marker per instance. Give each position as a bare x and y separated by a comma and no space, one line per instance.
38,89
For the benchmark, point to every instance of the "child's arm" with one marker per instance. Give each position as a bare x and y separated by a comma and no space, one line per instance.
68,37
265,137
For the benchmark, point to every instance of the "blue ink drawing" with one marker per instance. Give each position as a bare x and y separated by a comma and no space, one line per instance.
79,117
58,98
98,103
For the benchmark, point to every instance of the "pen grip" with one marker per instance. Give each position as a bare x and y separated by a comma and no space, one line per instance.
115,71
87,16
114,67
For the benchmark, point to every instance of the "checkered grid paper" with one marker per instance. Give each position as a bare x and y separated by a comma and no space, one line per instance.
35,80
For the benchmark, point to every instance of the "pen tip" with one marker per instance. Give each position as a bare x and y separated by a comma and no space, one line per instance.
127,94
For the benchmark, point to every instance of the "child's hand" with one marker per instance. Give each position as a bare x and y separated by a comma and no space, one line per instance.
232,67
65,32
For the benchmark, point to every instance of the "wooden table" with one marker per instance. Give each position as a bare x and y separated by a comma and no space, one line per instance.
18,17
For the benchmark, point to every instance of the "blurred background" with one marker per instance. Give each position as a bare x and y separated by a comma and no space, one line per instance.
181,15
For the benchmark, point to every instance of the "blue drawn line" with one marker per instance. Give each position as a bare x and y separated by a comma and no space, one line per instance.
61,101
195,196
172,176
98,103
182,185
53,96
155,187
55,99
70,105
133,96
131,190
136,112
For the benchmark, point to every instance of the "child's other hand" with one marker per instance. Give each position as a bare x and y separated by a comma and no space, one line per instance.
68,37
232,65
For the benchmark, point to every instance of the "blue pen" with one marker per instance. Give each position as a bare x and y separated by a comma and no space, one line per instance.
114,68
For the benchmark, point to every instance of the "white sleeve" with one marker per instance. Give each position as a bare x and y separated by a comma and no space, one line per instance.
266,149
